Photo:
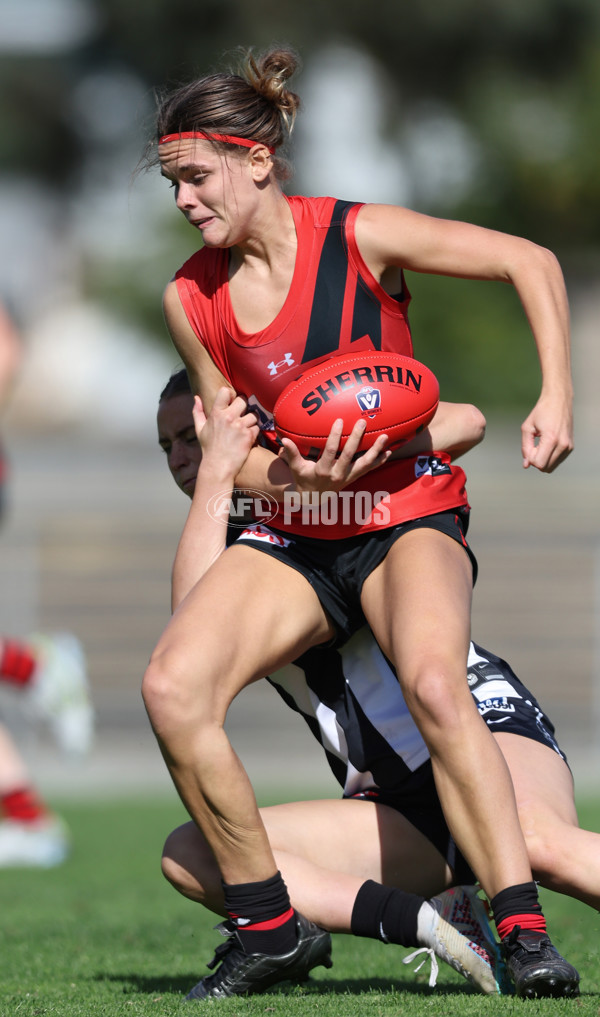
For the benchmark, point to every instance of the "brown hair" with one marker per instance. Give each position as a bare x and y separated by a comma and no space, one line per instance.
178,384
254,104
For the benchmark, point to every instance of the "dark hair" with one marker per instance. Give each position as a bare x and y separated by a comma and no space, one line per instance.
253,104
178,384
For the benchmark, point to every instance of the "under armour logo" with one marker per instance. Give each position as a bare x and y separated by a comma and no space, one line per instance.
287,361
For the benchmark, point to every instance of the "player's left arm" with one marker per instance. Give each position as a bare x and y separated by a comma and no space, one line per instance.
226,437
389,235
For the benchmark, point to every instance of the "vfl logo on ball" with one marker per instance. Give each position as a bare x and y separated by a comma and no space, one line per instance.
369,400
243,508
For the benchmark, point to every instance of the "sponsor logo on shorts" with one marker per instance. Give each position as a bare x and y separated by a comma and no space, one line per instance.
485,671
330,508
263,533
430,466
496,688
242,507
499,704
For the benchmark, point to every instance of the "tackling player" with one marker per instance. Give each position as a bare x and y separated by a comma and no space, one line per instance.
389,828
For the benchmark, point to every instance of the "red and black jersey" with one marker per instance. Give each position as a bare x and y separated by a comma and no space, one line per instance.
334,305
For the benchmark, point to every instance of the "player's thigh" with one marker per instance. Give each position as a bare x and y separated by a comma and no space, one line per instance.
247,616
418,600
357,838
542,781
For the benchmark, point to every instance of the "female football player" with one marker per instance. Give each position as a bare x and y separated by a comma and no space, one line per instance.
280,283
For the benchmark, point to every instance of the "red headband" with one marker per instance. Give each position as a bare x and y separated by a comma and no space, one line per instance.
229,139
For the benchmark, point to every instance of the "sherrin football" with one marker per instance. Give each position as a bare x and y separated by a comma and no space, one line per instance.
395,394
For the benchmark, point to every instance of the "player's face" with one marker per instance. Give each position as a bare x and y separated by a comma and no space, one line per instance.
213,191
177,438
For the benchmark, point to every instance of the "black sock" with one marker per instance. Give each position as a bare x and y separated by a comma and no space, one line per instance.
380,912
518,906
264,918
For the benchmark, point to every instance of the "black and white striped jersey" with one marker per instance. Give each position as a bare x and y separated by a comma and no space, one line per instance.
352,702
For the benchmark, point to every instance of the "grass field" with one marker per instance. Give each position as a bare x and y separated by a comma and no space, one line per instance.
105,935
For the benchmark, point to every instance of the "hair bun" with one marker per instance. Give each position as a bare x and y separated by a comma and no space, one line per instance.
268,73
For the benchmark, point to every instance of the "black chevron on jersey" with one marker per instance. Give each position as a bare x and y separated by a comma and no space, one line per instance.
366,318
330,286
324,329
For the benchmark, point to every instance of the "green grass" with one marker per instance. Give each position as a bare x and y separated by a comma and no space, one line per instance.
105,935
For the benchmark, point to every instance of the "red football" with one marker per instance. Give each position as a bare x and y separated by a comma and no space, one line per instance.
396,395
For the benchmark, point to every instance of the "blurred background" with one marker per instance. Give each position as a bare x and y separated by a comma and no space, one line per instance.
486,110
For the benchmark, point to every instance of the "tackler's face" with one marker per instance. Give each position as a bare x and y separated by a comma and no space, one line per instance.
177,438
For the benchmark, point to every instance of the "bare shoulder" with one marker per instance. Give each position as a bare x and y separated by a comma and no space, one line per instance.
172,305
180,330
383,220
386,234
393,235
205,377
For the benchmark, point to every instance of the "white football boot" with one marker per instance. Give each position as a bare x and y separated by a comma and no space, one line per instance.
456,928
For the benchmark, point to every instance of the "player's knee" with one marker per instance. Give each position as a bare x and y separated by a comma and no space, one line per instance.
435,700
164,697
544,842
188,865
544,858
177,876
169,696
173,862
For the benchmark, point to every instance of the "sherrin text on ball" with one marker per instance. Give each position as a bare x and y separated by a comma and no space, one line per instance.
395,394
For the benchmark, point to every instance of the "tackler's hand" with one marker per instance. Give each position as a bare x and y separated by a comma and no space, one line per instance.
227,434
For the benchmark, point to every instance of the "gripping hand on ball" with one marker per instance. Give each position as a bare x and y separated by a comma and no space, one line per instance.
333,472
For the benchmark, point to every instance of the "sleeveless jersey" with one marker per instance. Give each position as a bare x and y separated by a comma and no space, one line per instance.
353,705
334,305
